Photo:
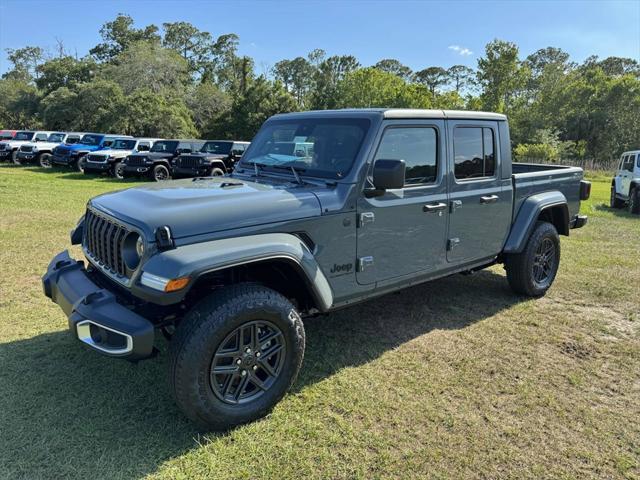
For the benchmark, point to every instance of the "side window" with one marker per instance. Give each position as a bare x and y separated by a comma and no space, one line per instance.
638,162
630,162
237,149
417,146
72,139
622,161
41,137
474,152
107,143
143,147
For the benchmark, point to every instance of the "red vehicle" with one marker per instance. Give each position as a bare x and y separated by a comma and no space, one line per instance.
7,134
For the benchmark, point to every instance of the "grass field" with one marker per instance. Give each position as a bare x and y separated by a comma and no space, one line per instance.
459,378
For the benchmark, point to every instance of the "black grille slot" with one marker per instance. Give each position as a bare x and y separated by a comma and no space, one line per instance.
103,241
188,162
96,158
136,161
26,148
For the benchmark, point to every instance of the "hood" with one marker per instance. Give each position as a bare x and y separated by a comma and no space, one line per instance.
43,145
201,206
107,152
77,146
15,143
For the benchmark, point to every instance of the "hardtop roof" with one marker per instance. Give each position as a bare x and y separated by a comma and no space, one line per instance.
399,113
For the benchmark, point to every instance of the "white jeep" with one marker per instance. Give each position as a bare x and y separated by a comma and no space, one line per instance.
108,160
625,186
40,151
9,148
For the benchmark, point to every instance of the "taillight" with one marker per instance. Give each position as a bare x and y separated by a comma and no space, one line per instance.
585,190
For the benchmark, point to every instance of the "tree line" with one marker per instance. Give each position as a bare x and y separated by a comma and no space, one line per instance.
180,81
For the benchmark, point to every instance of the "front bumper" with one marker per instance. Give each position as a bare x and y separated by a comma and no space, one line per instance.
5,155
26,157
135,171
95,316
66,160
96,166
186,172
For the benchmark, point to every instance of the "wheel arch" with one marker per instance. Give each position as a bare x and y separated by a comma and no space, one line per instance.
551,207
280,261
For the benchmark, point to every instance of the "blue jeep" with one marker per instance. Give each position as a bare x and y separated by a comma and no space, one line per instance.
74,155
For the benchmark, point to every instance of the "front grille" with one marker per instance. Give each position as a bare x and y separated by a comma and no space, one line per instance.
103,241
136,161
96,158
188,162
26,148
63,152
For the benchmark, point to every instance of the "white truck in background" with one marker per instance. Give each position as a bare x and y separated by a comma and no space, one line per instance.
625,186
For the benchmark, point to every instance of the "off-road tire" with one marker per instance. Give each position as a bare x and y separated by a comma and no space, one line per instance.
160,173
615,202
44,160
80,164
116,171
520,266
200,335
216,172
634,201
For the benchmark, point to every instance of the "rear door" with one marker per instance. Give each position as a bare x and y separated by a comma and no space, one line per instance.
480,207
626,174
403,232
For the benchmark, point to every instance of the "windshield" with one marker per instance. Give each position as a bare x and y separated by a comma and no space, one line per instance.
24,135
55,137
316,147
217,147
168,146
91,139
124,144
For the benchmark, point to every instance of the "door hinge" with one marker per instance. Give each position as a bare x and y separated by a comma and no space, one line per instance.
455,204
366,217
452,243
364,263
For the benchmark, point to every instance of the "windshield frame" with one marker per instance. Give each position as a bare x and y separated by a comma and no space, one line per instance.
251,158
219,142
175,144
91,135
132,147
24,132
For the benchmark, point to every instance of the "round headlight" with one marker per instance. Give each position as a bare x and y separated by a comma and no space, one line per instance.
132,250
140,247
34,149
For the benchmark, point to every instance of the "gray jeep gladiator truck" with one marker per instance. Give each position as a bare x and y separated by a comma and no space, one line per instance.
227,267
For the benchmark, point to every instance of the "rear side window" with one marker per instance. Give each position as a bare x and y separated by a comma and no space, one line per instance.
417,146
474,152
107,143
143,147
72,139
41,137
628,162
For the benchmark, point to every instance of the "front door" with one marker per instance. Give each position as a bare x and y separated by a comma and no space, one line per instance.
403,232
480,205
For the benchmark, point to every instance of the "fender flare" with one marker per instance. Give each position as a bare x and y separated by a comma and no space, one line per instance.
526,218
199,259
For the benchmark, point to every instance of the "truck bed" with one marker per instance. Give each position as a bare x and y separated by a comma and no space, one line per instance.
532,178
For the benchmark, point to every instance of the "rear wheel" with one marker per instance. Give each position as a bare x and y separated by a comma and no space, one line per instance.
532,271
160,173
235,355
634,201
615,202
44,160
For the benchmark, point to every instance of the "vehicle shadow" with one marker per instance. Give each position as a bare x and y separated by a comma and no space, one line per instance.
70,174
618,212
70,411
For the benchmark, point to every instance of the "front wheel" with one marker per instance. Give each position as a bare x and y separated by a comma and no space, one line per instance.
532,271
216,172
614,201
118,170
235,355
634,201
44,160
14,157
80,164
160,173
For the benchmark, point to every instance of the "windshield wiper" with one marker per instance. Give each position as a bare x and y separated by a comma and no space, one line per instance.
293,170
256,167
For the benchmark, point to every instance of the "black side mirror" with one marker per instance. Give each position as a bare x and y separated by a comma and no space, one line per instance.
388,174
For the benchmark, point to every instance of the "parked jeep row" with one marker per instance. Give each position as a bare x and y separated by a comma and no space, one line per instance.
121,156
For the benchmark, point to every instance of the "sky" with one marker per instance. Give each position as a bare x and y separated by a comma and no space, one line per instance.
418,33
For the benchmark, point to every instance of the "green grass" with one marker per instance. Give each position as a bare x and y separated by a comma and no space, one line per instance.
458,378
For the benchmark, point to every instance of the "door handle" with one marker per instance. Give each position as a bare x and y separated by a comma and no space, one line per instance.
489,199
434,207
